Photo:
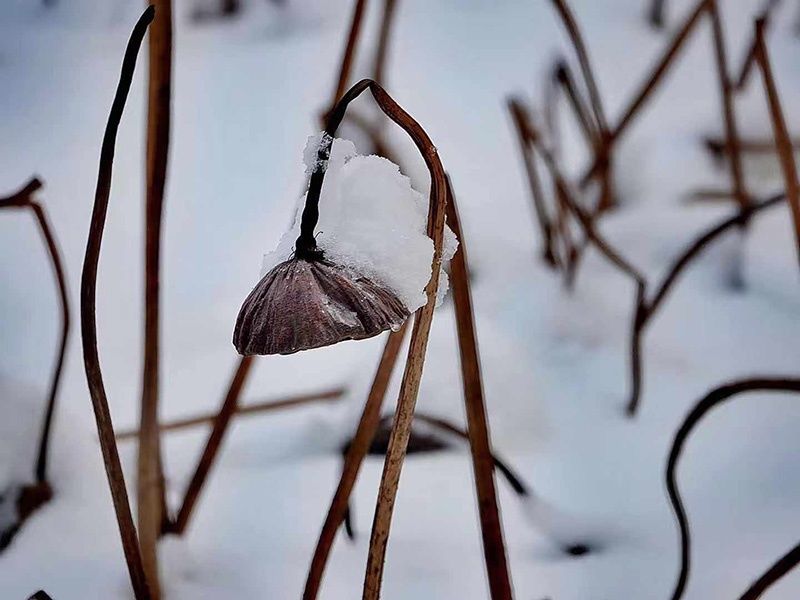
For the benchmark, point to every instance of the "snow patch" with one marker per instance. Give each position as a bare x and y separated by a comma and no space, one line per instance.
371,221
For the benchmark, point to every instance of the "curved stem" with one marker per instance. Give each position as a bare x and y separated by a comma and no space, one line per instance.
55,380
714,398
94,377
24,199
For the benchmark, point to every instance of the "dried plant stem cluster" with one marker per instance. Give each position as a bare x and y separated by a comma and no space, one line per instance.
559,250
31,496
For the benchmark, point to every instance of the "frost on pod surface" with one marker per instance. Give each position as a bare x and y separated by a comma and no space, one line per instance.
375,261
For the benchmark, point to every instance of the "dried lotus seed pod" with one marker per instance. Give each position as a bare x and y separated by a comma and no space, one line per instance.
302,304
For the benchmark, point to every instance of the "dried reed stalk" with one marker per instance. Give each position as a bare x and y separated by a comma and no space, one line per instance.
494,550
349,52
150,477
711,400
251,408
105,428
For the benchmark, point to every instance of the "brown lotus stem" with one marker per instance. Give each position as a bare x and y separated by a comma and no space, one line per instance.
353,459
382,50
568,19
494,550
658,72
563,76
785,563
780,131
213,444
518,116
726,89
94,377
24,199
603,139
251,408
349,51
750,58
150,478
409,388
710,401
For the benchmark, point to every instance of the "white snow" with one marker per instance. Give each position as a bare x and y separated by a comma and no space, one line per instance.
371,221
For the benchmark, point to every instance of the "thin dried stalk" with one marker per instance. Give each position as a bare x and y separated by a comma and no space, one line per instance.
518,117
213,444
105,428
353,459
150,489
726,89
494,550
782,566
779,129
568,19
349,51
251,408
382,50
659,70
422,323
603,141
711,400
24,199
750,58
562,74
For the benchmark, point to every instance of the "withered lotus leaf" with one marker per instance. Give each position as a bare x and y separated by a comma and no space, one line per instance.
302,304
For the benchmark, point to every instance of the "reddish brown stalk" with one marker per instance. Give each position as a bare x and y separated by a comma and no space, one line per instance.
409,387
603,139
94,378
518,117
750,58
779,129
726,89
713,399
349,51
382,50
24,198
568,19
785,563
251,408
354,458
562,74
213,444
494,550
150,488
656,75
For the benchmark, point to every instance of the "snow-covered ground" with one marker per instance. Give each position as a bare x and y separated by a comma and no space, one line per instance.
554,364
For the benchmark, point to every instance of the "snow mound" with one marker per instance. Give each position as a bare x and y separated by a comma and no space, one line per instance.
371,221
